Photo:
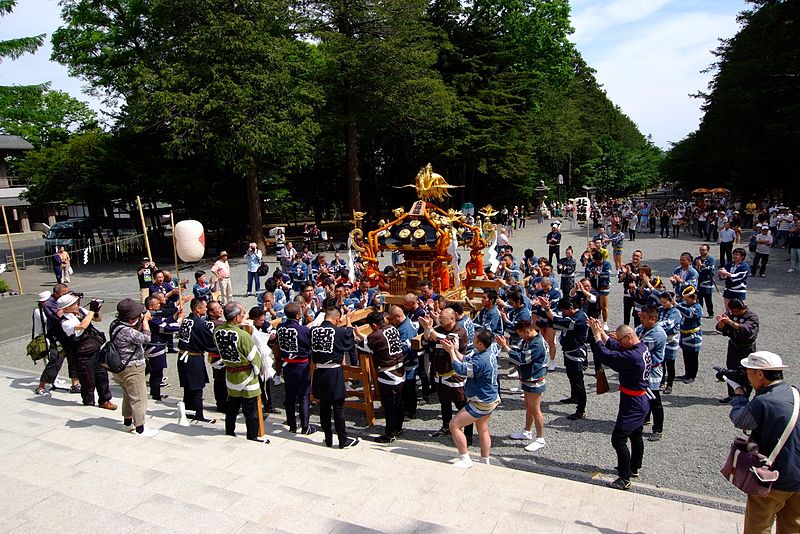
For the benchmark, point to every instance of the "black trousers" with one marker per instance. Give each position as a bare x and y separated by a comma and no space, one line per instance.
392,403
155,382
657,411
705,301
193,399
297,380
691,362
92,376
628,460
410,395
577,388
725,253
669,376
447,415
220,389
249,408
325,408
627,307
631,235
553,251
760,259
266,394
665,231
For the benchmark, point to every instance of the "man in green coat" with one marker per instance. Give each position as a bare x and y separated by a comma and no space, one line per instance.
242,363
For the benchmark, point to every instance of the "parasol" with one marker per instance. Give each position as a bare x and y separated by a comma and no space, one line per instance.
720,191
701,191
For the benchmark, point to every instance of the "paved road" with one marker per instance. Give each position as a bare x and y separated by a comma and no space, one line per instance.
697,430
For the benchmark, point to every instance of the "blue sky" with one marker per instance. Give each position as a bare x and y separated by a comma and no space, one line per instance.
648,54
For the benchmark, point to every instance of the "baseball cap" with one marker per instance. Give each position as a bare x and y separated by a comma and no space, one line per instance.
67,300
764,360
43,296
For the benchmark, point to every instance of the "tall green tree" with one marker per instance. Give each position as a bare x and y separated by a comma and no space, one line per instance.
18,46
221,78
381,87
42,117
748,134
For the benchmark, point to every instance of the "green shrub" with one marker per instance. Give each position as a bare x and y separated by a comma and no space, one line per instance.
3,286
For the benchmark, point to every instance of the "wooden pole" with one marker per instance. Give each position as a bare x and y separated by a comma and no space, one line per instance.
174,249
13,256
144,228
260,409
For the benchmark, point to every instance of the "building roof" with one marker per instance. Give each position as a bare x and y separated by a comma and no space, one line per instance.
14,142
10,197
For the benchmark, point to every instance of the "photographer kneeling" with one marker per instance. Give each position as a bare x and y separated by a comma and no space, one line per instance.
766,416
129,333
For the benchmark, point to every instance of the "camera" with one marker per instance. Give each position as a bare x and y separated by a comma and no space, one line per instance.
737,375
76,294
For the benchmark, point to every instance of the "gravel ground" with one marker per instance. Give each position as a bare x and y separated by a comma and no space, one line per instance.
697,429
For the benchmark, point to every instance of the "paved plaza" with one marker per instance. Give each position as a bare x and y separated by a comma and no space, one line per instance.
683,467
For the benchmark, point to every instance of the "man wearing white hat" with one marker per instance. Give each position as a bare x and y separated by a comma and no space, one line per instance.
773,409
222,272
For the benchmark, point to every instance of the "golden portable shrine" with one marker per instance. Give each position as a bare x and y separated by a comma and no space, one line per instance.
428,238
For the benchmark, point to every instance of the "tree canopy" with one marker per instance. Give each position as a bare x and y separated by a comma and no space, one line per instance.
748,135
321,103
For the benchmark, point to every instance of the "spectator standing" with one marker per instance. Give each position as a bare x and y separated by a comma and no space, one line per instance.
793,244
253,257
129,333
66,265
81,340
222,272
763,245
766,417
727,236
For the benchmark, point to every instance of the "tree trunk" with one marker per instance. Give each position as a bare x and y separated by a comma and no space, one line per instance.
254,207
353,178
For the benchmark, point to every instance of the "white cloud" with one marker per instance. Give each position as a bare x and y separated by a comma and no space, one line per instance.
650,67
593,20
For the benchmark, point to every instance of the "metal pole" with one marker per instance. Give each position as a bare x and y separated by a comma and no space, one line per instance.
13,256
144,228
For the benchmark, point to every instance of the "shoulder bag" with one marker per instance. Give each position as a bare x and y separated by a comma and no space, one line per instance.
751,471
39,346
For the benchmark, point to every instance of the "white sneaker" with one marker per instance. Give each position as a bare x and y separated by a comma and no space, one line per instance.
552,366
148,433
538,444
129,428
464,463
513,374
486,461
605,327
790,271
522,435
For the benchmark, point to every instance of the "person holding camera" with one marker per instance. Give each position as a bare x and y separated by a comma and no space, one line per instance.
145,276
82,341
766,417
130,331
253,257
740,326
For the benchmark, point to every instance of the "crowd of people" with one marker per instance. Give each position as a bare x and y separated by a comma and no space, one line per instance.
302,329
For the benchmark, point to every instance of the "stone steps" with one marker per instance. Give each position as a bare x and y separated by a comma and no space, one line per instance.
70,468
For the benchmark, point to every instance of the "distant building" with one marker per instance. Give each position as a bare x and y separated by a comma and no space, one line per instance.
22,217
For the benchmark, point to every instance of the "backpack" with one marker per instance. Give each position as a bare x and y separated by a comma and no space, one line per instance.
263,269
109,357
39,346
752,245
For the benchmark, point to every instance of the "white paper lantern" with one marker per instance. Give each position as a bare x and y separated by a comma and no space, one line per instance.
190,240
